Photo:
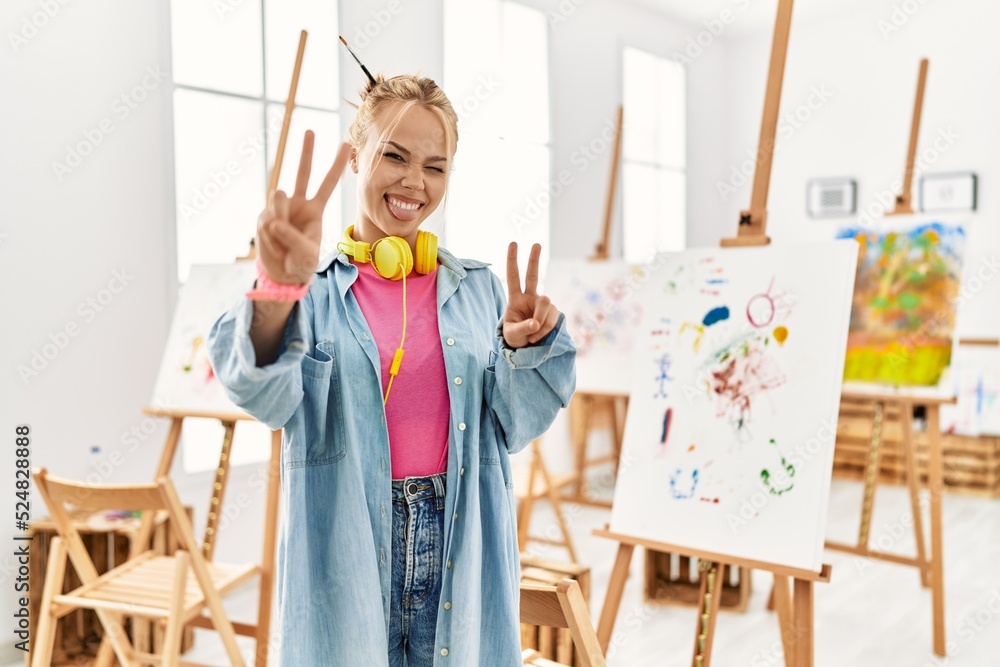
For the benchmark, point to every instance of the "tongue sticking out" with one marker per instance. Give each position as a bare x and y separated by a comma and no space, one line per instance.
400,213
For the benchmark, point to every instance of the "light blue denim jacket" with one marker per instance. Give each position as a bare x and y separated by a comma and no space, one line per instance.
334,550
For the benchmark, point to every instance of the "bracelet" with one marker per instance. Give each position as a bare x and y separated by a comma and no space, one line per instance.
268,290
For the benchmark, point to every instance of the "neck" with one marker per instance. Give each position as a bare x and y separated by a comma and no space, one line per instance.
367,231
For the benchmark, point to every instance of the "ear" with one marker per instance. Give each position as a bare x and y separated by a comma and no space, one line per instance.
354,160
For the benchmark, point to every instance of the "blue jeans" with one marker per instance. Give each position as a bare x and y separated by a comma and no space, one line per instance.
417,543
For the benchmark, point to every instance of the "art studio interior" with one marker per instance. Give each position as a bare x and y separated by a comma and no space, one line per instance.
451,333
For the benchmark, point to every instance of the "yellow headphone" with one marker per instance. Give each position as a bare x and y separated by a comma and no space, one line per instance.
390,256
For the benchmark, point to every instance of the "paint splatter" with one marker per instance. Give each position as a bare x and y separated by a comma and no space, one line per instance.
738,373
681,494
691,448
666,426
786,474
781,334
663,375
715,315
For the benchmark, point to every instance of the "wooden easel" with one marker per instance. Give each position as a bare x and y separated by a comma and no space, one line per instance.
260,630
931,567
588,406
541,484
794,607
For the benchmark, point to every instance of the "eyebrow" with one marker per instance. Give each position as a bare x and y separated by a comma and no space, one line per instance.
436,158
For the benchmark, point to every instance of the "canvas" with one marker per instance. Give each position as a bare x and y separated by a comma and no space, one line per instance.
903,319
186,381
729,439
603,307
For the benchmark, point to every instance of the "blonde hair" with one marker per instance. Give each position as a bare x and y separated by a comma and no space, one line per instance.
410,91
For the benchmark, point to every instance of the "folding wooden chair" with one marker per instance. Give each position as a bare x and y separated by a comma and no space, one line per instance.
540,483
147,585
561,606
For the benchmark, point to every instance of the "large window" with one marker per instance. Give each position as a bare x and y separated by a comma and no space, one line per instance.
496,75
232,67
653,155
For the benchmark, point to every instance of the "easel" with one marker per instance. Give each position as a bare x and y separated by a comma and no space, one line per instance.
261,630
541,484
587,405
931,568
794,607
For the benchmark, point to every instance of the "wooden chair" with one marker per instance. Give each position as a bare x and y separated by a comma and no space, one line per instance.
561,606
540,483
148,585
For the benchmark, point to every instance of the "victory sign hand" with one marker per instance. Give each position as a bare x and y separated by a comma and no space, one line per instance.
529,317
289,230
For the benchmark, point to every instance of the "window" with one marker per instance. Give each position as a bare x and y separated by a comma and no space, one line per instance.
653,155
232,67
496,76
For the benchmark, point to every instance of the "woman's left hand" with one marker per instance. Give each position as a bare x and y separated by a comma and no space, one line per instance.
529,317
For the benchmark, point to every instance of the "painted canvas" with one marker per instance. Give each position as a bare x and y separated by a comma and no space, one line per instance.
903,318
736,382
186,381
603,307
977,388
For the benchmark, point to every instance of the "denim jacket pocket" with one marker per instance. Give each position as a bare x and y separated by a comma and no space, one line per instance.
322,440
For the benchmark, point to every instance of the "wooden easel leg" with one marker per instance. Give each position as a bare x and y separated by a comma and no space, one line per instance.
218,490
613,599
553,497
913,485
935,480
528,502
267,560
709,599
802,609
783,606
584,408
871,476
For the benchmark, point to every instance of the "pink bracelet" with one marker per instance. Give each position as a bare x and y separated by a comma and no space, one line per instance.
268,290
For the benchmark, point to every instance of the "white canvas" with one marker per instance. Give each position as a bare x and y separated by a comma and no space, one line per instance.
186,381
601,300
736,385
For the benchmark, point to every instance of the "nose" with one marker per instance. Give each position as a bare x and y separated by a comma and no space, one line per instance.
413,179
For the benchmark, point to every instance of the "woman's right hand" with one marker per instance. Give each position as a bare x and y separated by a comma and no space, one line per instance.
289,230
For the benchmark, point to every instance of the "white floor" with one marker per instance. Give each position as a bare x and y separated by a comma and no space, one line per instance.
872,614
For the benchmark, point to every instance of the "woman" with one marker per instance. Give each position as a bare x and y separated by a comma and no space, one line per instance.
398,535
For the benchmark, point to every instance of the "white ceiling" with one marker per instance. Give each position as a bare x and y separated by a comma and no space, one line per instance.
747,15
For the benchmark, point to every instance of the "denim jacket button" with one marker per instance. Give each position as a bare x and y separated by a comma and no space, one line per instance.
461,427
444,651
449,564
447,605
451,341
461,472
458,380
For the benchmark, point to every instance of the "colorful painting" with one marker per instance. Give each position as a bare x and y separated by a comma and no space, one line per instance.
903,317
977,384
736,380
603,310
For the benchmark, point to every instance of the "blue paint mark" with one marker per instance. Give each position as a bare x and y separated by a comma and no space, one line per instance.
717,281
716,315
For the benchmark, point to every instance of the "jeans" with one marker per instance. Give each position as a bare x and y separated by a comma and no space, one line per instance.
417,543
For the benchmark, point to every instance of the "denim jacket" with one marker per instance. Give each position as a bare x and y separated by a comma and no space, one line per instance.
334,551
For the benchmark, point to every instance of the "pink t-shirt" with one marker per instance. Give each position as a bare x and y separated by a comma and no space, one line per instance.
417,413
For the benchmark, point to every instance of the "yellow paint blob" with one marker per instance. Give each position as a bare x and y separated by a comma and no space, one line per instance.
780,334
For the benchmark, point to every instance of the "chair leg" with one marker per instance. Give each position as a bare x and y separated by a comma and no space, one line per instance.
175,625
114,631
105,654
45,638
